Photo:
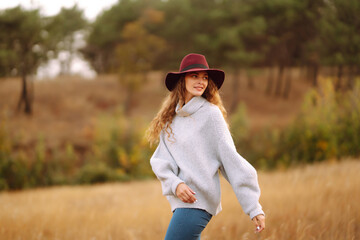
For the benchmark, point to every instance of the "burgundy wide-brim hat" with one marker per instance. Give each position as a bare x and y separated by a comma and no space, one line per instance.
192,63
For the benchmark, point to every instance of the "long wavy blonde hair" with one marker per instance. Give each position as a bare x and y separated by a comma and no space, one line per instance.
167,112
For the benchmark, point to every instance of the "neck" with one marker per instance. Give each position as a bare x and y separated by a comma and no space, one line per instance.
188,97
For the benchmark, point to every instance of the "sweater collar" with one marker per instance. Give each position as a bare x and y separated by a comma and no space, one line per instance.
190,107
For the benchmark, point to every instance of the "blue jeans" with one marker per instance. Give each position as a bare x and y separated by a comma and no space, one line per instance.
187,224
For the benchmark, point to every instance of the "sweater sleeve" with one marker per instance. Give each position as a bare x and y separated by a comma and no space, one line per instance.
165,168
237,171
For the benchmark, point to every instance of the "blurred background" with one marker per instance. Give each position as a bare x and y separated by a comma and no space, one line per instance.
80,82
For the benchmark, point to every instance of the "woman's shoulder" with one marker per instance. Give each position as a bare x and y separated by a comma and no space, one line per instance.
212,109
214,119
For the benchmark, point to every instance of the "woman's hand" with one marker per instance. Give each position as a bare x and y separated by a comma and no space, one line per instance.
259,222
185,193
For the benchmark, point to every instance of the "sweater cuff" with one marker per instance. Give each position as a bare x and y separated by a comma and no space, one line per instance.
256,212
175,184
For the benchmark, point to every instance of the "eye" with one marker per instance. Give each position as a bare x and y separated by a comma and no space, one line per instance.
206,77
194,76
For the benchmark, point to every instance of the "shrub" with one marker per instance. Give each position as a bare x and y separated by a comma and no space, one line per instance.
13,171
98,172
119,153
239,125
119,143
14,174
327,127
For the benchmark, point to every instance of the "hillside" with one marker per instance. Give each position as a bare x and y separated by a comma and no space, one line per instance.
66,108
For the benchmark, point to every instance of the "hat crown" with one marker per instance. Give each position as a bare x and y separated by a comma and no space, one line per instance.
193,60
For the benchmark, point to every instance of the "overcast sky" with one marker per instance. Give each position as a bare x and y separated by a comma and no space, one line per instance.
51,7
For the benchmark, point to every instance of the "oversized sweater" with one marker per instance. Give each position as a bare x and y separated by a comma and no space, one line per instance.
200,147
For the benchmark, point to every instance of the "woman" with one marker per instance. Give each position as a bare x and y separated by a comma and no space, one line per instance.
194,144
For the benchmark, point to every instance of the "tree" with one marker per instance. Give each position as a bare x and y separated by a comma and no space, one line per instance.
340,38
135,56
240,34
240,54
22,48
105,34
63,28
235,41
186,22
290,25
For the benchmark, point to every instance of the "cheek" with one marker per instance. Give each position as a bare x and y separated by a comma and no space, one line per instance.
187,82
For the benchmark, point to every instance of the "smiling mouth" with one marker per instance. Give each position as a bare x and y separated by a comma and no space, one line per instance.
199,88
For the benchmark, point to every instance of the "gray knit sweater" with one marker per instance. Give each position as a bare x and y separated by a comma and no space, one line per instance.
201,145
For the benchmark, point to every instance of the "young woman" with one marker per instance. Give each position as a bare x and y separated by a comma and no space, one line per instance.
194,144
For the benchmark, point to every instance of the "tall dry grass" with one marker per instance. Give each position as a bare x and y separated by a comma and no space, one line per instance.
311,202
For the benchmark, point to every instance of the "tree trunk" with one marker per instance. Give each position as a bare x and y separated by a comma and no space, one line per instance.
250,80
235,90
308,71
270,81
339,78
25,98
128,102
62,68
71,55
279,81
303,73
315,74
351,76
31,93
287,88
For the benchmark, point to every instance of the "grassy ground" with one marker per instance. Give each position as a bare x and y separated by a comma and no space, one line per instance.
313,202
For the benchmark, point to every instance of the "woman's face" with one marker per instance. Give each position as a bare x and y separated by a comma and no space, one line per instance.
195,83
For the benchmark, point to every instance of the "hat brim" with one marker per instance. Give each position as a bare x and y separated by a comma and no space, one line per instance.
216,75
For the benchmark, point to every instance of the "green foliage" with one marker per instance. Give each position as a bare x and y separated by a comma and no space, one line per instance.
239,125
119,153
328,127
236,33
62,29
119,143
138,49
136,53
242,33
348,125
19,170
22,41
98,172
105,34
339,33
13,173
13,168
67,22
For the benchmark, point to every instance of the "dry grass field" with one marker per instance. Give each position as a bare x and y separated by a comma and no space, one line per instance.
312,202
